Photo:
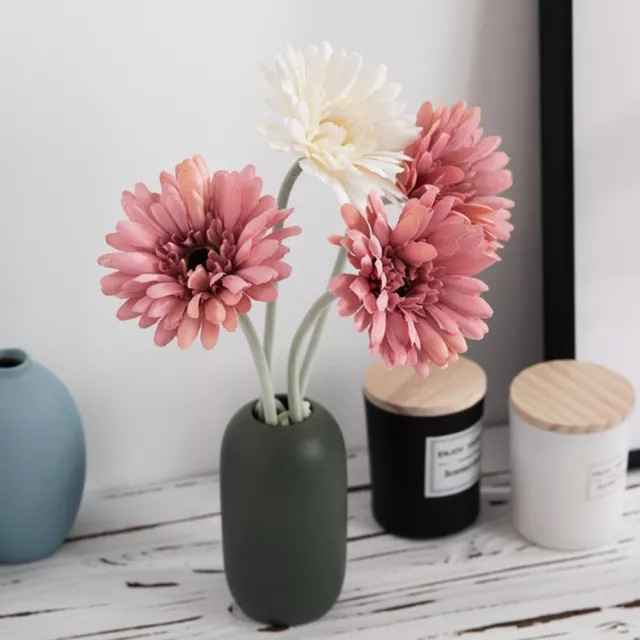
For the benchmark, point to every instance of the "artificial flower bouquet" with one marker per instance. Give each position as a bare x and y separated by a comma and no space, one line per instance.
192,259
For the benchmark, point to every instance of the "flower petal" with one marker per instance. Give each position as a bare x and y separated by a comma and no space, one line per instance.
492,182
214,310
209,334
126,312
120,243
146,321
234,283
190,178
244,305
418,253
230,299
162,307
469,265
283,234
407,227
447,175
199,279
348,304
354,219
281,268
153,277
112,283
257,275
230,323
231,206
469,305
493,162
187,331
422,369
163,337
139,235
433,343
173,319
252,229
135,212
193,308
174,204
263,292
464,284
132,263
162,289
250,194
195,209
143,304
378,327
362,320
455,342
258,253
162,217
361,287
472,328
341,284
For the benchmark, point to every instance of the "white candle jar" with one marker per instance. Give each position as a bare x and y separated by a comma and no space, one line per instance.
569,448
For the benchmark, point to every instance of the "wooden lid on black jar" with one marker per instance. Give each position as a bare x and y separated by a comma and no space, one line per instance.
463,384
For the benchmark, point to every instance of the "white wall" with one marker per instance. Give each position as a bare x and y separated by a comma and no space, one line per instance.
98,95
607,171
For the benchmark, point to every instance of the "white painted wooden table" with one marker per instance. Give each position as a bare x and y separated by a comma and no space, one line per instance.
147,563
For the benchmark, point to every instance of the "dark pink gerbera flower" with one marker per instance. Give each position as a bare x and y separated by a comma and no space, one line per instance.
194,256
451,154
413,290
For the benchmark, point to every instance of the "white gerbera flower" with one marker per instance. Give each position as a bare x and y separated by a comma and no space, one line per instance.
341,118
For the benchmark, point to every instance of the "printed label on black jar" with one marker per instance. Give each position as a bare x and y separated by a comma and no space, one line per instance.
606,477
452,463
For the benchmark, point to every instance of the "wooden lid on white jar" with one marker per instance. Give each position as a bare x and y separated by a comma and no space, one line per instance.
443,392
572,397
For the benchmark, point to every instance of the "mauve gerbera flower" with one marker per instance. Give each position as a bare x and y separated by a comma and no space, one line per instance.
343,119
414,291
452,155
194,256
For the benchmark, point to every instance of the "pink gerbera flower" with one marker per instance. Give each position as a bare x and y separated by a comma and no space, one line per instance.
414,291
194,256
452,155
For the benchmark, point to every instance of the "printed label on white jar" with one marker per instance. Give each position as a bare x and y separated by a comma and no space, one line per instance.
452,463
606,477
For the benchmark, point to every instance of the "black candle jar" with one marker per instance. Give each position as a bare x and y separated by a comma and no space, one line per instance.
425,447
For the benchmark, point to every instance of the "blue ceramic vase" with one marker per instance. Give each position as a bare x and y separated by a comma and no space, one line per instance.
42,459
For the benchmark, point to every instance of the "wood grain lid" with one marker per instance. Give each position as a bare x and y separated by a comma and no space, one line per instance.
445,391
572,397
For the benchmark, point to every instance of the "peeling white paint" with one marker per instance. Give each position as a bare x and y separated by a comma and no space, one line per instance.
147,563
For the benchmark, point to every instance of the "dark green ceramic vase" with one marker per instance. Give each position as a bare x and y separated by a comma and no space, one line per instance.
284,516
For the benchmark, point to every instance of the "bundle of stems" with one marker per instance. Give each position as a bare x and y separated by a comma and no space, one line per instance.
309,334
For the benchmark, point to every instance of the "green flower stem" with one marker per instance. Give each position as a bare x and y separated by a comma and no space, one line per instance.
267,394
316,336
281,203
296,411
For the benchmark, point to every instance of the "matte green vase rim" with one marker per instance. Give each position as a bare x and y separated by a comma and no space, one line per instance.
17,361
283,398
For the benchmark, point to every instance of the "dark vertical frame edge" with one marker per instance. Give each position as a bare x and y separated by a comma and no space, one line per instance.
558,215
556,120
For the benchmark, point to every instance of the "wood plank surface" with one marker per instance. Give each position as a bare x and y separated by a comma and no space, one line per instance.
147,563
